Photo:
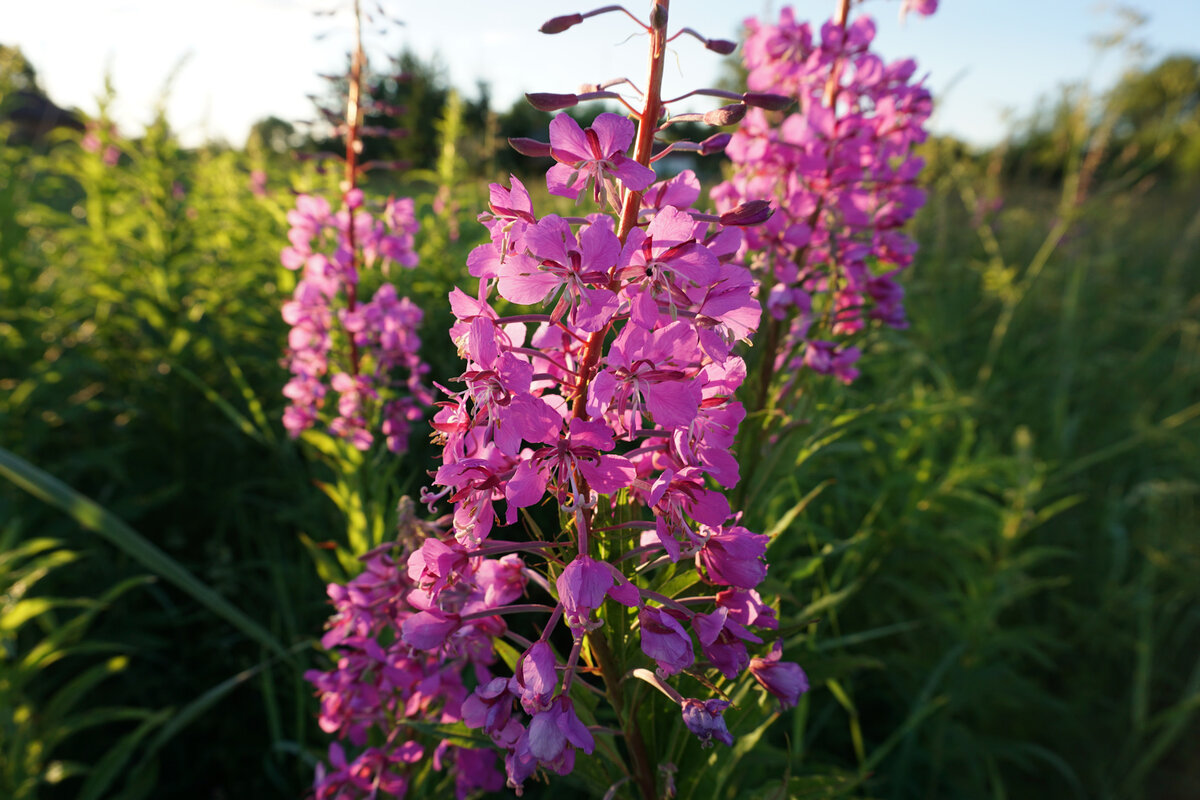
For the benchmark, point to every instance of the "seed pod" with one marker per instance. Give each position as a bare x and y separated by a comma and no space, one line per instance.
751,212
715,143
725,115
770,102
530,147
722,46
560,24
548,101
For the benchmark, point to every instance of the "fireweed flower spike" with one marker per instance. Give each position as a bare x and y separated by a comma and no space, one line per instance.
362,352
612,399
841,172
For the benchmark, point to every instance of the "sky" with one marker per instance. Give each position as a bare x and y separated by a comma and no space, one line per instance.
236,61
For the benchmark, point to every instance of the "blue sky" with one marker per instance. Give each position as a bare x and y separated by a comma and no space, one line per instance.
246,59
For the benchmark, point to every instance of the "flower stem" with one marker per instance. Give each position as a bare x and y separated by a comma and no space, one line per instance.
643,773
354,118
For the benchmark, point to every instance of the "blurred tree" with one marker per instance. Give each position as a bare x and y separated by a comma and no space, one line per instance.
23,103
1158,113
16,73
401,106
269,137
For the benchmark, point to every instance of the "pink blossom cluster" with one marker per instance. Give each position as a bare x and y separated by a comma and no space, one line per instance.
365,353
383,687
612,399
101,139
843,178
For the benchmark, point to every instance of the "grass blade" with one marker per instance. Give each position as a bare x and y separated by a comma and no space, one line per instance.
92,516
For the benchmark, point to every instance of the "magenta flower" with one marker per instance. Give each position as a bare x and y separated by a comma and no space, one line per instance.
785,680
665,640
475,771
734,557
580,453
490,707
552,730
582,587
722,640
841,172
436,565
576,271
596,154
429,629
704,719
535,678
650,370
922,7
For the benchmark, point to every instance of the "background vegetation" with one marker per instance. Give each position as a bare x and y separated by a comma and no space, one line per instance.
989,541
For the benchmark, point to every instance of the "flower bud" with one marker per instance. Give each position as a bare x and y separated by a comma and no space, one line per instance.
725,115
548,101
560,24
770,102
752,212
530,147
715,143
722,46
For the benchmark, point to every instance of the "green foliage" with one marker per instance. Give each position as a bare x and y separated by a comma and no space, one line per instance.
998,520
1158,113
50,663
986,547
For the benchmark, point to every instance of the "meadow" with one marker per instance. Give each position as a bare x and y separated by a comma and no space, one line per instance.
985,547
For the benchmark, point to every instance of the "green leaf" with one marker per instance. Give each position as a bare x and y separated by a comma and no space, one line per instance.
238,419
328,567
808,787
79,686
112,765
788,517
16,615
196,708
680,583
456,733
90,515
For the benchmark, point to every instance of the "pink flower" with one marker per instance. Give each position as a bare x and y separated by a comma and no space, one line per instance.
595,154
704,719
429,629
722,641
536,678
552,730
436,565
922,7
582,587
665,640
783,679
490,707
734,557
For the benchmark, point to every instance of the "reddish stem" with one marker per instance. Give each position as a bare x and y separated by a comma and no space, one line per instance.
354,119
610,671
843,12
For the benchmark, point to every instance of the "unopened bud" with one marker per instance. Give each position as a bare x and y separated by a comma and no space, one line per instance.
529,147
560,24
658,17
722,46
770,102
725,115
751,212
715,143
548,101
